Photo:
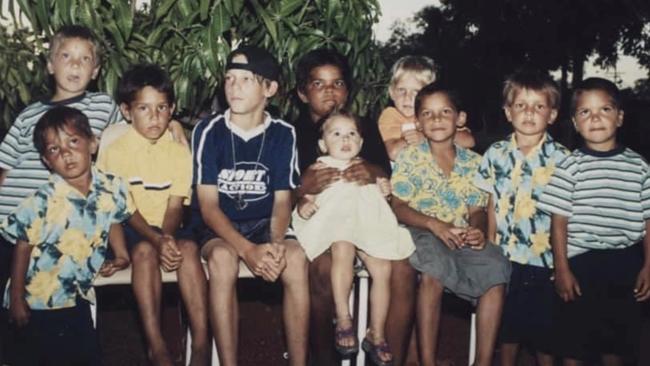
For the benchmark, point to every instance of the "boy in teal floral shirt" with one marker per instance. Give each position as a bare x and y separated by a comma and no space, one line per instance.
60,234
515,171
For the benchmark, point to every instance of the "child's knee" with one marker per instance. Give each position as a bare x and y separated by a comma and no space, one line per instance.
222,263
144,252
296,258
188,249
431,284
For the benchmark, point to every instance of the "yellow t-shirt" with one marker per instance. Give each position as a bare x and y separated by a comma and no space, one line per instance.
390,123
154,171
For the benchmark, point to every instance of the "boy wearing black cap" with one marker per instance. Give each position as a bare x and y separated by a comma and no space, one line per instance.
245,166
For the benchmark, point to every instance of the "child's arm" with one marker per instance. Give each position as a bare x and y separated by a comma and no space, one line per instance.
464,138
642,286
259,258
18,307
3,175
118,245
307,206
159,241
475,233
170,255
491,229
280,218
178,133
384,187
450,235
315,179
566,285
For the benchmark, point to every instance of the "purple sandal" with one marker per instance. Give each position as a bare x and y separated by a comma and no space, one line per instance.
374,350
339,335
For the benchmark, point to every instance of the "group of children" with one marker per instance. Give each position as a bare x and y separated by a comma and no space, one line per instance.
505,231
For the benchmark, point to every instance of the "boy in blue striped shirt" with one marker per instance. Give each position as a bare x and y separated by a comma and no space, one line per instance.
599,199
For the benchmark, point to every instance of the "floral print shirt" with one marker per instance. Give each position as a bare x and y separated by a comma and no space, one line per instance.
69,233
420,182
516,182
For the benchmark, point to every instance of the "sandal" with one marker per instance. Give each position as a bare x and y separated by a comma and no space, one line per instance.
343,333
374,351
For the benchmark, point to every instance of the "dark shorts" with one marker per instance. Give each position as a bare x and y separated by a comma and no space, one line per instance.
466,272
528,309
60,337
606,319
256,231
132,237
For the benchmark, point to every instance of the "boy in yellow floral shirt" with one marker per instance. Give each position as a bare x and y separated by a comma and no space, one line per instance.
433,194
515,171
60,234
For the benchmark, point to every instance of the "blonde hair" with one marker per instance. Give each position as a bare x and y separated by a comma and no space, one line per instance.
531,79
422,67
75,31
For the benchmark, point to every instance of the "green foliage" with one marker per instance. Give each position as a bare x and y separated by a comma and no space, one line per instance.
191,39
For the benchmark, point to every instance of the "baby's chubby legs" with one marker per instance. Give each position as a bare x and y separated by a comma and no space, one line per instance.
147,287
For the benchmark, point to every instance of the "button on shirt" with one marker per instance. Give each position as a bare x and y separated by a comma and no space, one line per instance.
68,232
515,182
420,182
154,171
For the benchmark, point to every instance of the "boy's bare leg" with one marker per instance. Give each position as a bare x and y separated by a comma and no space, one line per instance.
401,313
223,265
508,354
429,302
295,304
147,287
342,275
321,329
193,288
488,318
379,298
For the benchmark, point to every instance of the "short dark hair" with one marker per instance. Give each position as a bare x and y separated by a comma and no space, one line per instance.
321,57
75,31
141,76
591,84
437,87
531,79
56,119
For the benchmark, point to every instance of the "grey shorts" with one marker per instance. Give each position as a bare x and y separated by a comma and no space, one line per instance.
467,273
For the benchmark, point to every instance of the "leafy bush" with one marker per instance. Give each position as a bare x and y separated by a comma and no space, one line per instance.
191,39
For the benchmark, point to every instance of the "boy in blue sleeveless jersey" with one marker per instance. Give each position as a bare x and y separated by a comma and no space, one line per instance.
245,166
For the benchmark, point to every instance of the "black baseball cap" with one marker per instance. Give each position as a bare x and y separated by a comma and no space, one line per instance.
258,61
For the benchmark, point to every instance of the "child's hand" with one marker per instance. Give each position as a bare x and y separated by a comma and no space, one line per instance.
262,261
412,137
111,266
19,311
316,178
384,186
170,256
452,236
566,285
474,238
306,207
359,172
642,286
178,133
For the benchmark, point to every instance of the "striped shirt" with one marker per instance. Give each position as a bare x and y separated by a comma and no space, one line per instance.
25,170
247,166
605,195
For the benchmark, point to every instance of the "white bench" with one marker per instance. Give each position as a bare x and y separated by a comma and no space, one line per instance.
124,278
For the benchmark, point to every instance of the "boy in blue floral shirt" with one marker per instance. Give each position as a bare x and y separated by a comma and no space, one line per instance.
60,234
515,171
